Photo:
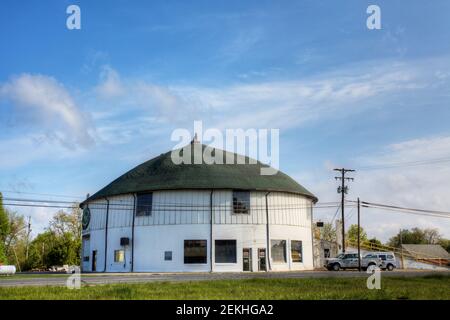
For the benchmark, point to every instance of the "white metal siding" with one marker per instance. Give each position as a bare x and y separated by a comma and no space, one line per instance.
185,215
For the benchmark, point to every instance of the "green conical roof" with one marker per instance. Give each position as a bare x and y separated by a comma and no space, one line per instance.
161,173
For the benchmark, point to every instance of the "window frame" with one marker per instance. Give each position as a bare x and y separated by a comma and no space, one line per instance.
166,255
240,206
284,250
234,258
301,251
116,260
145,212
203,247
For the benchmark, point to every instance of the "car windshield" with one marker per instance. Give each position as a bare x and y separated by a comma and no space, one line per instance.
340,256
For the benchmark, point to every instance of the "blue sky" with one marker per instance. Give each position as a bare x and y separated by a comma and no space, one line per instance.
80,107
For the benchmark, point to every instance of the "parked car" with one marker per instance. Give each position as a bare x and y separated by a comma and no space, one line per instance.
389,262
350,261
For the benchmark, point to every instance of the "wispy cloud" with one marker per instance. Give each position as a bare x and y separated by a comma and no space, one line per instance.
424,186
49,103
110,85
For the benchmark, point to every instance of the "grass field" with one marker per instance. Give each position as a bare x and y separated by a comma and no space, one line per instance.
428,287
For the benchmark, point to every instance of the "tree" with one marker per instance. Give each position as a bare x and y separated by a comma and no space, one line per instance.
3,259
4,221
64,222
60,244
445,243
16,232
352,234
327,232
4,230
415,236
375,242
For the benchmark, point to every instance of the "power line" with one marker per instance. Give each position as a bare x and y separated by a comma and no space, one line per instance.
404,208
408,212
405,164
38,200
41,194
166,204
335,214
169,208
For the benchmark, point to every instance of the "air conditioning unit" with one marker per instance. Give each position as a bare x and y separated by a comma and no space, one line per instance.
124,241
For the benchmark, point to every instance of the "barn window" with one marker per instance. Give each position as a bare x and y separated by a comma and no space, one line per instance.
278,250
194,251
144,204
168,255
119,255
241,202
225,251
296,251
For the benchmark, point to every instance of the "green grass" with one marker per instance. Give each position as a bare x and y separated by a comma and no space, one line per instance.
431,287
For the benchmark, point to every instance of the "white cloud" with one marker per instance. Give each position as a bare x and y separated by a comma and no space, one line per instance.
46,100
110,84
267,104
418,186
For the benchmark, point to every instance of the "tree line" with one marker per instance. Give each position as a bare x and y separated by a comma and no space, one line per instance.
404,236
57,245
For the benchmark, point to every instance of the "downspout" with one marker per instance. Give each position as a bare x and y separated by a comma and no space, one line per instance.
106,233
268,234
132,233
312,236
211,231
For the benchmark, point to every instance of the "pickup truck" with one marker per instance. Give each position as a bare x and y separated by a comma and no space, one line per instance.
350,261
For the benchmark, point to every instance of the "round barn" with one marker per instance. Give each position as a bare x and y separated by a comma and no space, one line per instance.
167,217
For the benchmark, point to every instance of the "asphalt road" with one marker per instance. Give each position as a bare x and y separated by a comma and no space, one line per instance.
110,278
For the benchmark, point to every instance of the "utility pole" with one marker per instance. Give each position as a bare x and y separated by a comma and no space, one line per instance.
401,248
359,236
28,238
343,189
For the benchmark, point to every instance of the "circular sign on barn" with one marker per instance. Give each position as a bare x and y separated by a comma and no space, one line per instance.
86,217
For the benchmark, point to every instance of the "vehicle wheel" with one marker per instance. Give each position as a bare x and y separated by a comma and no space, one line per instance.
336,267
390,267
370,266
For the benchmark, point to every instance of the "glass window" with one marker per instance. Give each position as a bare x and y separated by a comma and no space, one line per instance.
296,251
119,255
168,255
278,250
326,253
225,251
194,251
144,204
390,256
241,202
383,257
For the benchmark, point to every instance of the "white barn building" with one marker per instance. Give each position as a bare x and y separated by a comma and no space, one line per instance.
163,217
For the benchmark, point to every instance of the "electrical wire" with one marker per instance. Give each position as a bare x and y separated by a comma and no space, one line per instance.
41,194
405,164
